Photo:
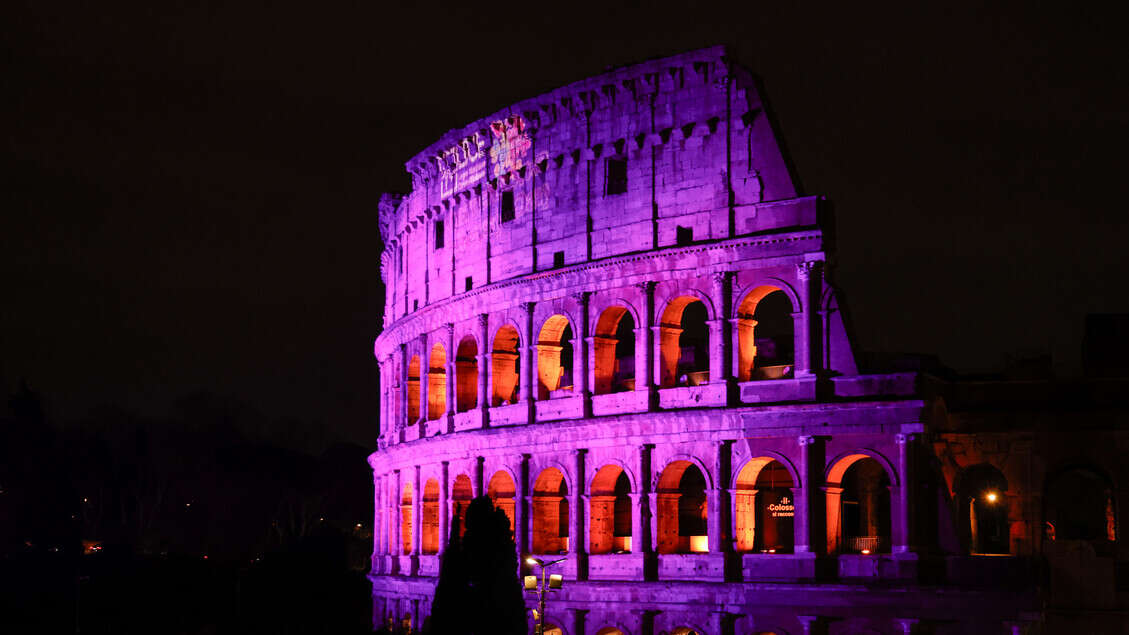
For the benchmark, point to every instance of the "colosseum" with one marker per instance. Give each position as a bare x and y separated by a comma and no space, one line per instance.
610,309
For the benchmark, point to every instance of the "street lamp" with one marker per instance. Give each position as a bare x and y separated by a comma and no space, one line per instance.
555,583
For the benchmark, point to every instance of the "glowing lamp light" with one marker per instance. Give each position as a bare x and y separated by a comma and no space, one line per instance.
865,552
530,582
699,544
992,497
532,561
556,581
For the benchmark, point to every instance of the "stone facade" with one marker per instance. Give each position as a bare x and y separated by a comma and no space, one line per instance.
608,308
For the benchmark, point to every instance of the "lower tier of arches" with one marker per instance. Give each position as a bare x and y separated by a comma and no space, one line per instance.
658,608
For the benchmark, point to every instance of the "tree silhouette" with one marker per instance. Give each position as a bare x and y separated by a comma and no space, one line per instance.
478,590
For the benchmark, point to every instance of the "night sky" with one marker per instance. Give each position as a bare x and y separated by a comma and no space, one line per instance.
191,187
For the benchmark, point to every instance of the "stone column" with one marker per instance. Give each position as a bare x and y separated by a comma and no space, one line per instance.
528,358
417,514
444,506
908,625
801,319
646,368
377,525
452,379
402,393
809,534
713,520
637,540
720,364
580,510
903,537
580,358
653,519
479,486
644,540
484,366
398,515
521,522
424,379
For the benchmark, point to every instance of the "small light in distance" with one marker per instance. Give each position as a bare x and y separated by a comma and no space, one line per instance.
866,552
992,497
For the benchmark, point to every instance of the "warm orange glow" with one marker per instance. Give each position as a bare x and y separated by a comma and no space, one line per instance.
699,544
992,497
866,552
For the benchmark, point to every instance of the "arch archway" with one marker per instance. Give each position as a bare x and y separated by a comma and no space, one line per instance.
406,519
765,335
610,516
550,512
764,507
413,389
858,505
504,376
501,492
684,343
461,494
554,357
682,509
466,374
981,493
437,383
1078,504
613,351
429,523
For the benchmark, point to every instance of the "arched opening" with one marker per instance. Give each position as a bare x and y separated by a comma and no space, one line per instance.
552,629
461,495
554,358
609,630
466,375
504,367
437,383
501,493
613,354
550,512
684,343
429,524
406,519
413,390
1078,505
981,494
764,507
610,515
685,630
858,506
682,509
765,336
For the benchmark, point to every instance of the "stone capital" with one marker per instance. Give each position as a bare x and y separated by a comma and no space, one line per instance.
805,270
645,287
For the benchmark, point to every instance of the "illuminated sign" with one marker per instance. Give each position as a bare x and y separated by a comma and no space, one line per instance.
782,509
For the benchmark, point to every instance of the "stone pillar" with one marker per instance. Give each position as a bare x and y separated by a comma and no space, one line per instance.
452,380
444,506
479,486
424,378
644,540
377,525
646,368
809,533
398,515
417,514
578,620
801,319
580,512
484,366
521,494
731,525
402,415
908,625
720,364
653,520
637,539
903,516
528,358
713,519
580,357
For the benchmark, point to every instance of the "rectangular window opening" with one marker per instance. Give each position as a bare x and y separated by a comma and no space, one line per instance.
558,259
415,305
507,206
684,235
469,283
616,176
438,234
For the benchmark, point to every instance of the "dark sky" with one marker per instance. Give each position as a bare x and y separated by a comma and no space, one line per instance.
190,201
